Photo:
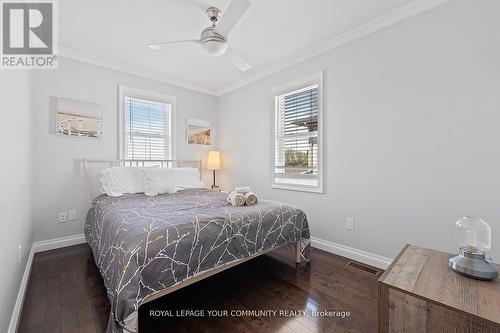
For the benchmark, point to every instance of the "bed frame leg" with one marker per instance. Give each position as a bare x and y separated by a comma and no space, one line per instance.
297,252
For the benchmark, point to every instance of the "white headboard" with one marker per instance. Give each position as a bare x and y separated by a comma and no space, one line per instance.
92,170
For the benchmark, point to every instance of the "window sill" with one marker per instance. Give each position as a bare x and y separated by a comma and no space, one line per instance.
297,188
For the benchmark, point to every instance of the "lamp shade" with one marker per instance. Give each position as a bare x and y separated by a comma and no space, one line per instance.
473,233
214,48
213,162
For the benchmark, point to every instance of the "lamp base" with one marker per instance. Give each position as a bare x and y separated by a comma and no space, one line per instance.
473,265
214,187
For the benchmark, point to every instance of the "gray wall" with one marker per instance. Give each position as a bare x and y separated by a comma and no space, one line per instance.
16,179
59,182
412,139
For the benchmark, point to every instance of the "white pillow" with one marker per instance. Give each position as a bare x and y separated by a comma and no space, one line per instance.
187,178
159,181
116,181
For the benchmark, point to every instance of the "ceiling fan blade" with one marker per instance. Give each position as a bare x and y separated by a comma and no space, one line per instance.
237,60
231,16
157,46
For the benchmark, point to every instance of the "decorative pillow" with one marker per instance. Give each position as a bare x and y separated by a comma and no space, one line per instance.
159,181
187,178
116,181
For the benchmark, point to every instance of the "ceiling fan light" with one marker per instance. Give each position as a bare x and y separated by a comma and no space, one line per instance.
214,48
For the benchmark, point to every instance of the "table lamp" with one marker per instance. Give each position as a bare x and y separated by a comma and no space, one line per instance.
213,163
473,235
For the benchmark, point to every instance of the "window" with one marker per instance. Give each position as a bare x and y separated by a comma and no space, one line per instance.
297,137
146,125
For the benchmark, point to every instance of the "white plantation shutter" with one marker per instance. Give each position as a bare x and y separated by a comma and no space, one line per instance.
147,129
296,146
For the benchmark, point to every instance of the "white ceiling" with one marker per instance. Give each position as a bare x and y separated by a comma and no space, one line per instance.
270,31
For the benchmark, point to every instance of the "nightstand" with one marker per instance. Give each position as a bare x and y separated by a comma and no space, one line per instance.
219,190
419,292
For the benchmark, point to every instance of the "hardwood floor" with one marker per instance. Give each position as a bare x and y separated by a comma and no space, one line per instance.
66,294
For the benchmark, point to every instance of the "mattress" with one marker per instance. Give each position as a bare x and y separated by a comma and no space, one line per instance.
143,244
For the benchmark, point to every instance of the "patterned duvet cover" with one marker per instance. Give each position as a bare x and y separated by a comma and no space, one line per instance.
145,244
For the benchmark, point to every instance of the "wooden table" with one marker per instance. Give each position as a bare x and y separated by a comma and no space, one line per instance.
419,292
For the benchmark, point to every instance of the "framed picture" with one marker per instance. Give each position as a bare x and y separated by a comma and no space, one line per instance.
78,119
198,132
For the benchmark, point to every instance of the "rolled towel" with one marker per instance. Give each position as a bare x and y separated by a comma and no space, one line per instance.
236,199
250,199
243,189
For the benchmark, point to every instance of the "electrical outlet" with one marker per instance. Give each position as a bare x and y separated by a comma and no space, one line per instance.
63,217
72,215
19,253
349,223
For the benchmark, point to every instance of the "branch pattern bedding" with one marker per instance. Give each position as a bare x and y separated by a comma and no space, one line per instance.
144,244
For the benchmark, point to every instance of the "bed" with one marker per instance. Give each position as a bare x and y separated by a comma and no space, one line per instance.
148,246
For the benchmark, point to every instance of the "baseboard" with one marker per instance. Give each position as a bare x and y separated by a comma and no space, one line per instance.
351,253
56,243
16,313
38,247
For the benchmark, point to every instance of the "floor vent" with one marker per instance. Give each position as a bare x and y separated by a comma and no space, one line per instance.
362,267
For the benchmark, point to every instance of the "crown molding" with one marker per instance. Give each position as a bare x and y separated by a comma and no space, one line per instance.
69,53
400,14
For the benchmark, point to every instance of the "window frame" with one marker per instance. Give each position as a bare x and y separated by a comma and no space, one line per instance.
123,92
304,82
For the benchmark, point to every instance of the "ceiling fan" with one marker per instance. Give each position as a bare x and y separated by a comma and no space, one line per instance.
213,39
